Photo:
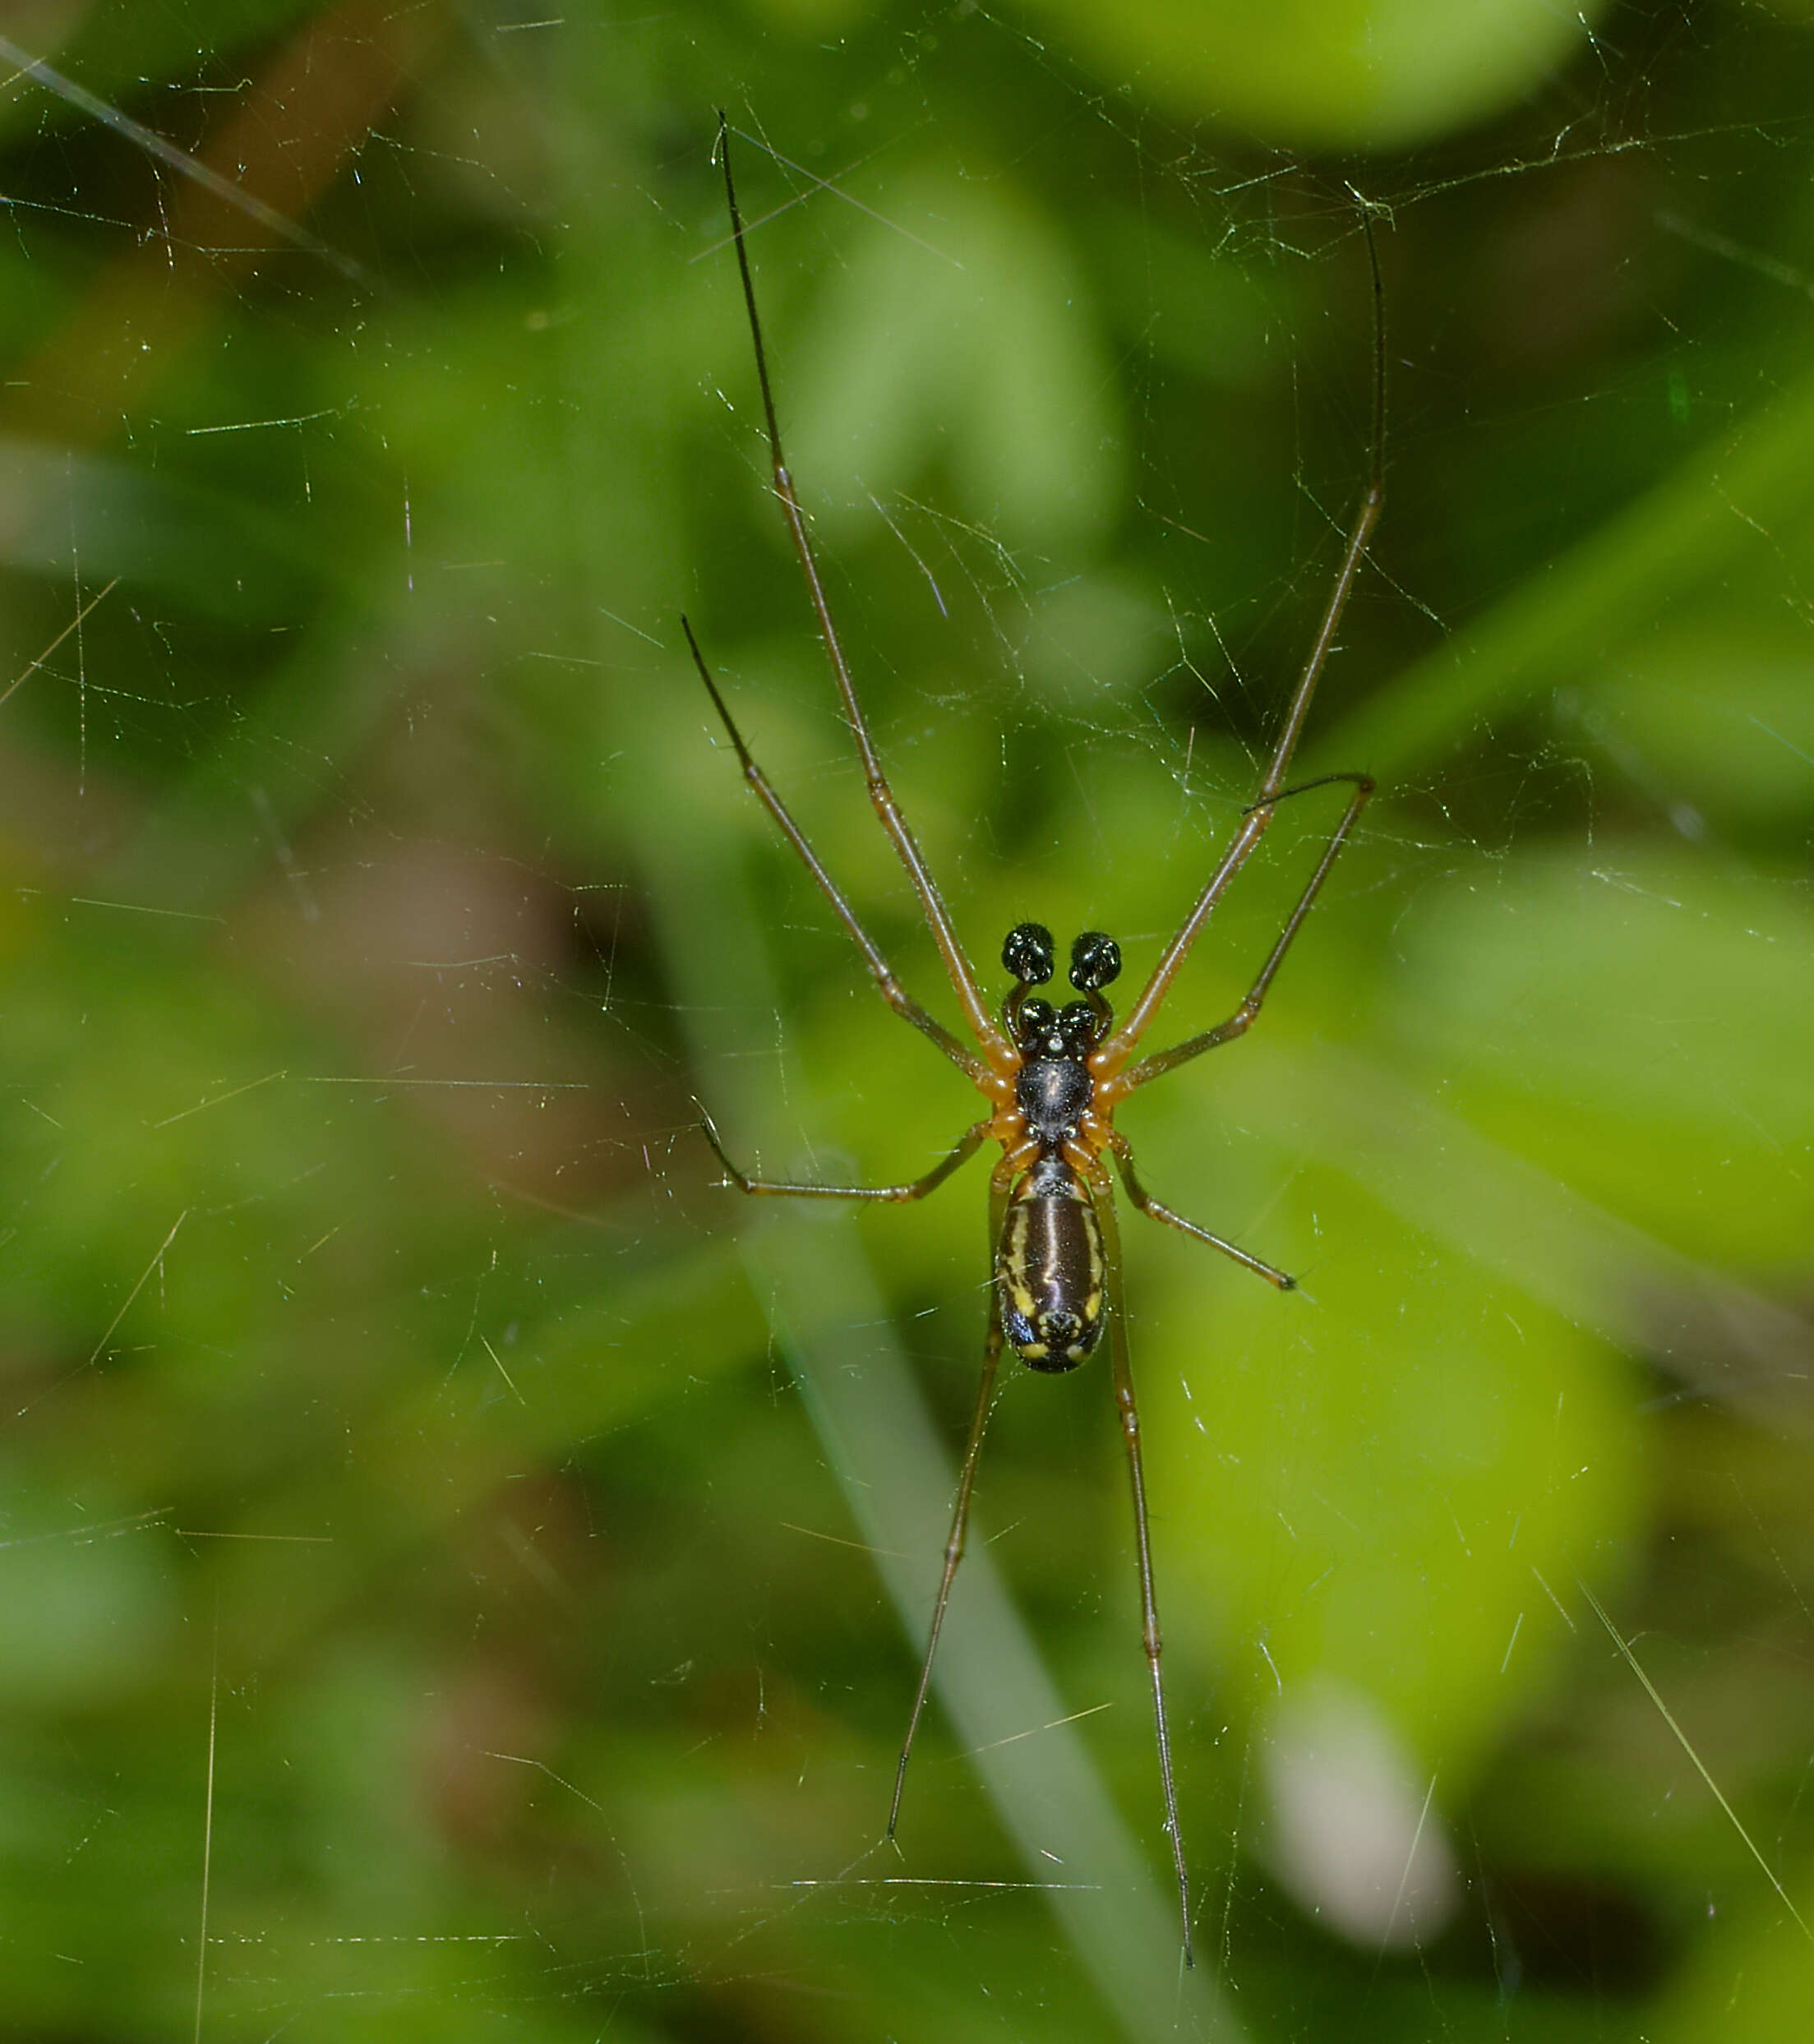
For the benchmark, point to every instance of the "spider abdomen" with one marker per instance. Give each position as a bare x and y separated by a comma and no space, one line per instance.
1049,1269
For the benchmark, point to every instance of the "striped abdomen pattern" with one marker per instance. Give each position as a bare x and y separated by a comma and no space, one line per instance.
1049,1269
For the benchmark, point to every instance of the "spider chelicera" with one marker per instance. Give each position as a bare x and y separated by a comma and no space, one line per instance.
1052,1076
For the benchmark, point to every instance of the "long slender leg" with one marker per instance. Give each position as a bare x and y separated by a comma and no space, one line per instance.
1114,1053
1242,1020
966,1148
966,1478
1146,1204
1128,1414
932,906
882,973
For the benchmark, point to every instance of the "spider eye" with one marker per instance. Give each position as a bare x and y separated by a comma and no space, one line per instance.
1096,962
1026,952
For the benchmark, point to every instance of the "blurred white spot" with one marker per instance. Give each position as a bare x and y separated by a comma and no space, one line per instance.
1356,1834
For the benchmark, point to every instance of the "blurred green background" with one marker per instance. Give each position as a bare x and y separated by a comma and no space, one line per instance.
461,1572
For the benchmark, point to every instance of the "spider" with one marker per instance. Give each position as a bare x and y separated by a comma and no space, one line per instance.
1052,1077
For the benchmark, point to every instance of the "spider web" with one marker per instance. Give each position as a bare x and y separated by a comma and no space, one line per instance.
461,1574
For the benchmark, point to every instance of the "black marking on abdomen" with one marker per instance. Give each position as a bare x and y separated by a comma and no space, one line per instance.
1049,1269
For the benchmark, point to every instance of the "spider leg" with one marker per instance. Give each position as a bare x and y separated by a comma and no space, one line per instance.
963,980
1146,1204
1113,1053
966,1148
1129,1416
880,970
1242,1020
999,1181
